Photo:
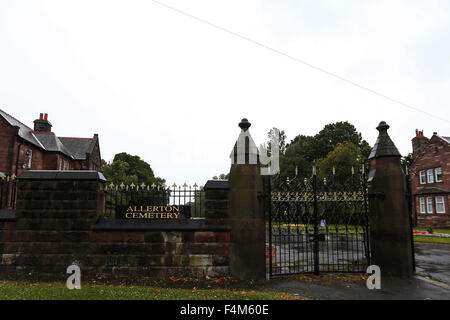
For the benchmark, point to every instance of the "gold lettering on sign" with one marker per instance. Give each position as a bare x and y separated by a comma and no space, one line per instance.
153,212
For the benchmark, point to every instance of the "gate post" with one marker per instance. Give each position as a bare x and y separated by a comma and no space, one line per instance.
246,215
390,233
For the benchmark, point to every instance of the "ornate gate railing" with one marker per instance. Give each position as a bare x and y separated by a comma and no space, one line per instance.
190,199
317,224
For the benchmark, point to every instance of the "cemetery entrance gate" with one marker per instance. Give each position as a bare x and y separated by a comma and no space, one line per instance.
317,224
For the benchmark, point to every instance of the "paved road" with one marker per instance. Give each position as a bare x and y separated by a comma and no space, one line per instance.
433,260
391,289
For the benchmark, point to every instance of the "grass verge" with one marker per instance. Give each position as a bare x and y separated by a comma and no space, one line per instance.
13,290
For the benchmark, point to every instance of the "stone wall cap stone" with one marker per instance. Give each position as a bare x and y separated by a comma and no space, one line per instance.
217,185
61,175
7,215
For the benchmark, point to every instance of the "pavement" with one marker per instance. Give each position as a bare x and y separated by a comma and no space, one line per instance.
431,282
416,288
433,260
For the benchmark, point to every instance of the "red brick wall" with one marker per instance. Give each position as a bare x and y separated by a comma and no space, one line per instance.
55,227
435,155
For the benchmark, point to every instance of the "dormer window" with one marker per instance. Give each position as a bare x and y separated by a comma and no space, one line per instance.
438,172
430,175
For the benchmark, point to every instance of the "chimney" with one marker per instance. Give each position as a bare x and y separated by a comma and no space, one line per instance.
418,143
42,124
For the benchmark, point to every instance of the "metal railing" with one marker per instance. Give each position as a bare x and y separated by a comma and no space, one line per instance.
190,200
318,224
8,191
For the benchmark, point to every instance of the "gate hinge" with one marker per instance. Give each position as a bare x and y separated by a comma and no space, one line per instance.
377,195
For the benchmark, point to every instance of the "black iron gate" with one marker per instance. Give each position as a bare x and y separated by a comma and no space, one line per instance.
317,224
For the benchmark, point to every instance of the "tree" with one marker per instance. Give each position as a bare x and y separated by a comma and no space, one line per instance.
281,140
305,151
407,162
221,176
343,158
127,169
335,133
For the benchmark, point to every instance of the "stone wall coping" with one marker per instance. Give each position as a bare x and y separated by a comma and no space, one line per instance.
61,175
140,225
7,215
217,185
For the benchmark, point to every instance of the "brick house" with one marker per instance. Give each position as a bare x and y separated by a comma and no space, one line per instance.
430,180
23,148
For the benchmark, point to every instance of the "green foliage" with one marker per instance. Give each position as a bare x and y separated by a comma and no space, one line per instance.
221,176
10,290
129,169
407,161
345,156
281,138
333,134
305,151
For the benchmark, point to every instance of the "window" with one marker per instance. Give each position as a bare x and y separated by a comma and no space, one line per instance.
440,204
430,175
429,205
30,158
422,206
423,178
438,172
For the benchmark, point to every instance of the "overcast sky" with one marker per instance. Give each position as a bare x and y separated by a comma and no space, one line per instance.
156,83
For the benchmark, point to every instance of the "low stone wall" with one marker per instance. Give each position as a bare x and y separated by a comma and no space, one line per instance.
433,221
58,222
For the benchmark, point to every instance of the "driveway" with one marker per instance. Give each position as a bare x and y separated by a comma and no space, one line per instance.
433,260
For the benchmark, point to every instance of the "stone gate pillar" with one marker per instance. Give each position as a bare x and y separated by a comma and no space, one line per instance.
246,213
390,233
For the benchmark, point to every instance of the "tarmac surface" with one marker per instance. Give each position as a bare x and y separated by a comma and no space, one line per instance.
432,281
391,289
433,260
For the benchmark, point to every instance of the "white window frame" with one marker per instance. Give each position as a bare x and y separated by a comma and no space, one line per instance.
440,203
422,205
30,158
430,176
436,174
422,177
430,205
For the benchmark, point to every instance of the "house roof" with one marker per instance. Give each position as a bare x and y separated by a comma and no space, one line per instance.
432,190
75,148
79,147
446,139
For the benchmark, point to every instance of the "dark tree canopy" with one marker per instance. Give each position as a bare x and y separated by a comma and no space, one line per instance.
407,162
305,151
129,169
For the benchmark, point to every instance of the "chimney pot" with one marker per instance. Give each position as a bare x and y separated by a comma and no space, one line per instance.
41,116
45,116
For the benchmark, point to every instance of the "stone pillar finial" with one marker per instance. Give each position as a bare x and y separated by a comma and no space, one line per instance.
245,150
384,147
244,124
